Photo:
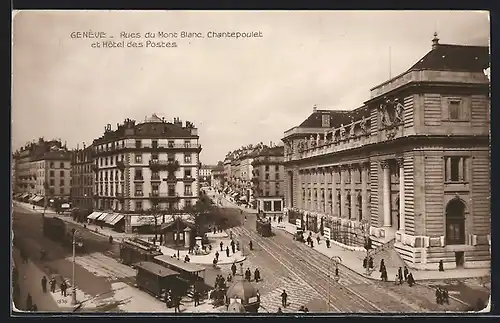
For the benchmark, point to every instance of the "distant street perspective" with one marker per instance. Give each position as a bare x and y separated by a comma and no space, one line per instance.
284,163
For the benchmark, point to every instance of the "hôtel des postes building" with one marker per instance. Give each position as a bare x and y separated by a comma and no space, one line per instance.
411,167
146,167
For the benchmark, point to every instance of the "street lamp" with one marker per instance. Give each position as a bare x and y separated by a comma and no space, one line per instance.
336,260
73,298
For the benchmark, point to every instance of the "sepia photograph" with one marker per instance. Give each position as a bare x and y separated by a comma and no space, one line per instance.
271,162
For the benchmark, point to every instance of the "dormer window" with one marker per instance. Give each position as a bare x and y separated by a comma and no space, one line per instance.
325,121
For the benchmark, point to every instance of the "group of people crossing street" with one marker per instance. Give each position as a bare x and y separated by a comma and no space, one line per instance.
403,275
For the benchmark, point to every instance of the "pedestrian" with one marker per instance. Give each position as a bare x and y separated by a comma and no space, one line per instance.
44,284
217,255
214,262
231,236
63,288
248,274
227,251
221,245
215,229
250,244
52,285
327,242
233,269
382,265
186,259
177,303
196,297
312,243
370,262
233,249
365,262
229,278
306,310
111,239
383,274
438,296
29,301
256,275
274,218
279,310
396,280
241,269
238,245
318,239
302,309
34,308
400,275
411,281
405,273
446,297
284,296
441,266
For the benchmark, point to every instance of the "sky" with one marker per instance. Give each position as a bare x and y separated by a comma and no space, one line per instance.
236,91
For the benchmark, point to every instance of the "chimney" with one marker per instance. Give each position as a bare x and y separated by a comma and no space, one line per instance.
315,108
435,41
83,145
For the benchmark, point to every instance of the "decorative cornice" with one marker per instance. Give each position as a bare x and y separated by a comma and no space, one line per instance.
384,164
400,161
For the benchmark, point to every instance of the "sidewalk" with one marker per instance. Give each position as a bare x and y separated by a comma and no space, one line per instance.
353,259
225,200
30,277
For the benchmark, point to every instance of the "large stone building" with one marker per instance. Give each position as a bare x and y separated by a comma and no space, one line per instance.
411,167
43,171
218,175
82,180
146,166
268,179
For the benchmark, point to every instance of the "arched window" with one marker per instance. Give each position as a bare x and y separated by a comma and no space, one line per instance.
348,202
455,222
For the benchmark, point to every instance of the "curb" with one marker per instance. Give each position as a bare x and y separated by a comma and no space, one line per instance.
220,263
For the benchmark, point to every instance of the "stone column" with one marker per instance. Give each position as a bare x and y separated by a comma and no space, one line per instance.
401,194
305,190
334,191
364,191
299,190
353,193
386,192
187,237
327,173
448,169
342,191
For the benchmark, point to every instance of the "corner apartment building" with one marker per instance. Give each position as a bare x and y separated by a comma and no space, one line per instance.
410,167
268,179
152,165
82,180
205,174
43,170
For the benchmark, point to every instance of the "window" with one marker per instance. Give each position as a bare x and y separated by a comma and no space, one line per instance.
267,205
454,109
61,165
277,175
277,205
456,169
138,158
138,190
138,205
138,174
171,189
266,193
51,173
187,144
187,203
325,121
277,168
154,156
187,158
155,189
154,144
187,173
171,144
155,175
61,191
116,159
267,175
138,144
267,168
61,182
101,162
455,222
52,182
171,157
187,190
51,164
111,191
106,161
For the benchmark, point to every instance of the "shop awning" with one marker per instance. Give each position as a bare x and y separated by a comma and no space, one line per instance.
140,220
243,198
24,195
65,206
110,218
235,194
102,216
32,198
38,199
94,215
114,220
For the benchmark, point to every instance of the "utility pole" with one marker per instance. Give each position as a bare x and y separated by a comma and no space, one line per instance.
73,298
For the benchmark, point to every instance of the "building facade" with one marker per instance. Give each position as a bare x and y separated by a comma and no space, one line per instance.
205,174
410,168
268,179
42,169
82,179
218,175
147,166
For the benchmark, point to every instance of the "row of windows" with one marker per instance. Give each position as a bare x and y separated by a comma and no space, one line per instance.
140,144
276,168
267,205
139,205
139,189
52,165
82,191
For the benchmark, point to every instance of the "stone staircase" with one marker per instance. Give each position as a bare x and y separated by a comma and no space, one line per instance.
386,251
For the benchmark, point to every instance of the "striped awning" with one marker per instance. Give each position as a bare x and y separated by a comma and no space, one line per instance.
139,220
33,197
111,217
102,216
107,217
116,219
38,199
94,215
